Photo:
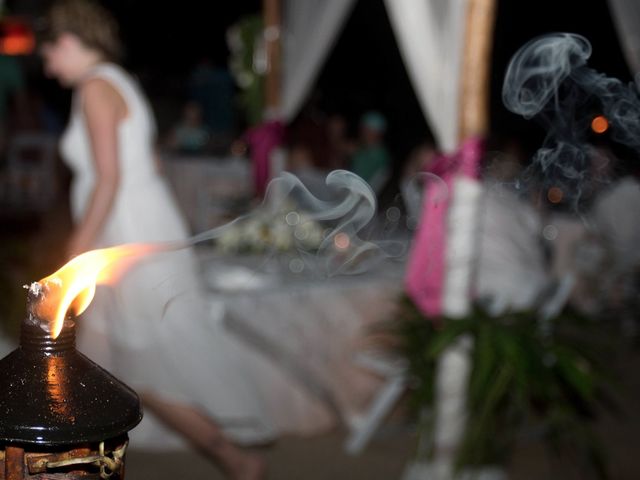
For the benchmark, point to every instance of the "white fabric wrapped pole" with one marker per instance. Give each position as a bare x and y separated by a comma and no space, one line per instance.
454,366
461,240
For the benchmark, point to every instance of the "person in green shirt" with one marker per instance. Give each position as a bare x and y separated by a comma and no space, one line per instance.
371,160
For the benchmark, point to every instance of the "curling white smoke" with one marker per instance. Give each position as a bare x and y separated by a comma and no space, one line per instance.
537,70
346,210
548,78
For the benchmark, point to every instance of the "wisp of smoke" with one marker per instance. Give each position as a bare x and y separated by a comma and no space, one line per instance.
337,222
348,206
548,78
536,71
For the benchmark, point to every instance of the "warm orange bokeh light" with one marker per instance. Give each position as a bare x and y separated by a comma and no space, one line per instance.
73,286
600,124
16,37
17,45
342,241
555,195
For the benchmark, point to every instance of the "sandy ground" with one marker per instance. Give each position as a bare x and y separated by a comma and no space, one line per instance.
322,457
314,458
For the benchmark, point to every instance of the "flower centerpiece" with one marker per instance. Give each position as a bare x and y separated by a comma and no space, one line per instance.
268,230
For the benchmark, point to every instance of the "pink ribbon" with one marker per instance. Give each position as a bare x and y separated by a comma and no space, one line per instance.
425,275
262,139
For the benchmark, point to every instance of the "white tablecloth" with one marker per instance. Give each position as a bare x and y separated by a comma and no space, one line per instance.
309,326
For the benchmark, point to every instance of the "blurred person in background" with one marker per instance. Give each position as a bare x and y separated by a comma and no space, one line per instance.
414,178
190,135
211,87
118,196
371,160
339,146
12,98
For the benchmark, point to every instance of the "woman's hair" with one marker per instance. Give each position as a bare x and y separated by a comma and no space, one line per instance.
93,24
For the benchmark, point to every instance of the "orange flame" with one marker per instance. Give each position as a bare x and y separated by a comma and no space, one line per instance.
74,285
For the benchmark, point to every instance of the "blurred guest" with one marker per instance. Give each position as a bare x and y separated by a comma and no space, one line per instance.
371,160
339,146
118,196
412,183
12,95
299,158
308,131
212,88
504,163
300,163
419,160
190,135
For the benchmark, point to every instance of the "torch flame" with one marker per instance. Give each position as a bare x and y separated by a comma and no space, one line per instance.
74,285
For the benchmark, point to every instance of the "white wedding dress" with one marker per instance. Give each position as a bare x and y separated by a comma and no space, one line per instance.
155,329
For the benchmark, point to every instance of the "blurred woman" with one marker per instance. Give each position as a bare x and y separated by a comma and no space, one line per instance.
118,196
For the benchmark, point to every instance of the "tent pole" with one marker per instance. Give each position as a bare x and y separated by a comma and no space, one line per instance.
454,364
272,29
475,78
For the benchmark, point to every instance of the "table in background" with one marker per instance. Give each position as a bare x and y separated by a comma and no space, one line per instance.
308,325
209,190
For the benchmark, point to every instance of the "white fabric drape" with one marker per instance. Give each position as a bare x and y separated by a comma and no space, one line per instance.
430,35
309,30
626,18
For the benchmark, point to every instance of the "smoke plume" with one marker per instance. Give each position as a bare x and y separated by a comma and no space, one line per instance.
548,78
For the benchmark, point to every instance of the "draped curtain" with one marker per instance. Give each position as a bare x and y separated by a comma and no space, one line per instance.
309,30
626,18
430,35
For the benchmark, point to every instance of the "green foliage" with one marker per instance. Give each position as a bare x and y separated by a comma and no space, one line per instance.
247,65
523,376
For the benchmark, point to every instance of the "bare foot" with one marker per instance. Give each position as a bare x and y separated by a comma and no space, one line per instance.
248,466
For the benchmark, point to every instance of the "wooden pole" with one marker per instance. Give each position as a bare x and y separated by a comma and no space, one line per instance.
454,364
272,23
476,69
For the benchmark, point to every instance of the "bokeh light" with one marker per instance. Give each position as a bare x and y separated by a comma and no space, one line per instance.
555,195
16,38
599,124
292,218
296,265
550,232
341,241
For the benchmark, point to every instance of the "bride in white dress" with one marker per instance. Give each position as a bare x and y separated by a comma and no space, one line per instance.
153,330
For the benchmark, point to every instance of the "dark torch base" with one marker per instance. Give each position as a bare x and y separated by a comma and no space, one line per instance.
63,416
82,462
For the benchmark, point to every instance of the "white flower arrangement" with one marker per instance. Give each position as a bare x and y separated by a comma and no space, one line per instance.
264,231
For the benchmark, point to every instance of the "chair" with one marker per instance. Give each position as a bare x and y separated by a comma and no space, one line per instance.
362,428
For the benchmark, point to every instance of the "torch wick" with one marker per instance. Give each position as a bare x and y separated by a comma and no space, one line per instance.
36,293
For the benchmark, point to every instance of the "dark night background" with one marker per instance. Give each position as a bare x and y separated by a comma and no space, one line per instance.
164,40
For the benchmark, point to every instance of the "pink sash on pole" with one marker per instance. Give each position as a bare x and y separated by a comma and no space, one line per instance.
425,275
262,139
